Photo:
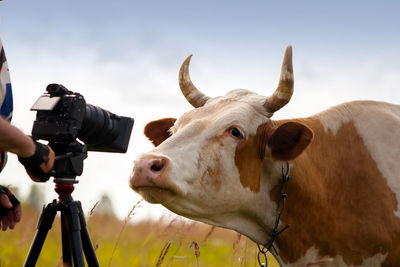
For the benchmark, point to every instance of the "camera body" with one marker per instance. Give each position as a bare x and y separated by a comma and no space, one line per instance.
59,115
63,116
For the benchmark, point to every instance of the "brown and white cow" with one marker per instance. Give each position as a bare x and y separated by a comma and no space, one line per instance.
221,164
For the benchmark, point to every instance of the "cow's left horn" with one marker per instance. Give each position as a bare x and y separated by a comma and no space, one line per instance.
284,92
191,93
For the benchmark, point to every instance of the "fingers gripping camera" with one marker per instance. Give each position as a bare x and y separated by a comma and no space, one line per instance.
39,165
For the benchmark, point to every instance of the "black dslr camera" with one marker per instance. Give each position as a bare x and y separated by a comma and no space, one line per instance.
63,116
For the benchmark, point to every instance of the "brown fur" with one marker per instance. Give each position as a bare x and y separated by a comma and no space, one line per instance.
212,174
249,158
338,201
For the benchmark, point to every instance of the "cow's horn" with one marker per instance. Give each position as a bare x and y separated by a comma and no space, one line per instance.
284,92
194,96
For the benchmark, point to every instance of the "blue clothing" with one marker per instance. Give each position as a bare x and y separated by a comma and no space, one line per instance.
6,99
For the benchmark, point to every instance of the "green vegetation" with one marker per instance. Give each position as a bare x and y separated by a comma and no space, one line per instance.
176,242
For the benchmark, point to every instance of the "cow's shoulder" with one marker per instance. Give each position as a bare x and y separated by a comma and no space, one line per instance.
347,181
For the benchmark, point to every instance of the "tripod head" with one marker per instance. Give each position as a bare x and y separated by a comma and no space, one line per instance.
68,161
68,164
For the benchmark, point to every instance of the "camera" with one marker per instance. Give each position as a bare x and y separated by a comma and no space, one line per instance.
64,116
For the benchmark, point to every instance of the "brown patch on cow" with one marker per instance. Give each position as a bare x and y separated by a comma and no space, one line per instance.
158,131
338,201
249,156
202,179
213,172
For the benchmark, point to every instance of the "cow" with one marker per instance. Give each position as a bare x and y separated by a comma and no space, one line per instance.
226,163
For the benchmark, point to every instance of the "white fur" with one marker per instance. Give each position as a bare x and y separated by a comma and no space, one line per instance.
312,256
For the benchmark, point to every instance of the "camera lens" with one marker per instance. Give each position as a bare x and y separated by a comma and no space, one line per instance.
99,126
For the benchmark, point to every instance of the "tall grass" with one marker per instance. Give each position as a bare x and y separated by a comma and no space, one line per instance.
166,242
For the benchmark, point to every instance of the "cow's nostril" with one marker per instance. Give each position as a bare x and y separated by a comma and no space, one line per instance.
156,168
157,165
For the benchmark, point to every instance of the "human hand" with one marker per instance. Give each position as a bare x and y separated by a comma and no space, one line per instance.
10,209
39,165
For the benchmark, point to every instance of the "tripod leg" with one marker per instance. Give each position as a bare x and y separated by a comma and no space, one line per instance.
87,244
46,220
66,244
75,234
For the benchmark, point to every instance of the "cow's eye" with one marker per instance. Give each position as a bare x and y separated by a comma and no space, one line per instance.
236,132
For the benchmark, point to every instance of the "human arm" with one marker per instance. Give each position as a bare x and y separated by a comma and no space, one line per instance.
37,158
15,141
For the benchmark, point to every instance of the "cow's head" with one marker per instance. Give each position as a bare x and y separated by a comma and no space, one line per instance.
218,162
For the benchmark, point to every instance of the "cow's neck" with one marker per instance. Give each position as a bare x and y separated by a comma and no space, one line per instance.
290,242
257,215
307,209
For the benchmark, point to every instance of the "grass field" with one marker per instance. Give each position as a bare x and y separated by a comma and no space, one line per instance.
167,242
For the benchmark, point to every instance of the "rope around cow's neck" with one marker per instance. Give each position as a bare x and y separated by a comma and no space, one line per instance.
263,249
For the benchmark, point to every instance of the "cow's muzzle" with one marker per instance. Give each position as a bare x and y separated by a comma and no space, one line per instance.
149,179
148,171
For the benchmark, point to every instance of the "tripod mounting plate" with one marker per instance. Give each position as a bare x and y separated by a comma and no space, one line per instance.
65,181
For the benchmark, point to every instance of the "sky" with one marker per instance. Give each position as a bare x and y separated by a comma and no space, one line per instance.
124,56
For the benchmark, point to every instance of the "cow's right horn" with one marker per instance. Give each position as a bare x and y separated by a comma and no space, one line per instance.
284,92
191,93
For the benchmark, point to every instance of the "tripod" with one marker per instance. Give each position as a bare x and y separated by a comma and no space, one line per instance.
74,234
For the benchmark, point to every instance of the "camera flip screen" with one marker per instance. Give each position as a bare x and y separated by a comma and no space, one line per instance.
45,102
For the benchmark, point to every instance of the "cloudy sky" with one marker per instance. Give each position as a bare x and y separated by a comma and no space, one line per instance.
124,56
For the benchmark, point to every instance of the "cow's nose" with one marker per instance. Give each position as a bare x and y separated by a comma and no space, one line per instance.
157,164
148,171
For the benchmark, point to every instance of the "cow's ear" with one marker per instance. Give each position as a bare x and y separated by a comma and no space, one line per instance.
158,131
289,140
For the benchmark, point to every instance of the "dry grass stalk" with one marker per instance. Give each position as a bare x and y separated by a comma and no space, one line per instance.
170,224
196,250
212,228
237,241
163,252
130,213
180,227
94,207
123,227
188,227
